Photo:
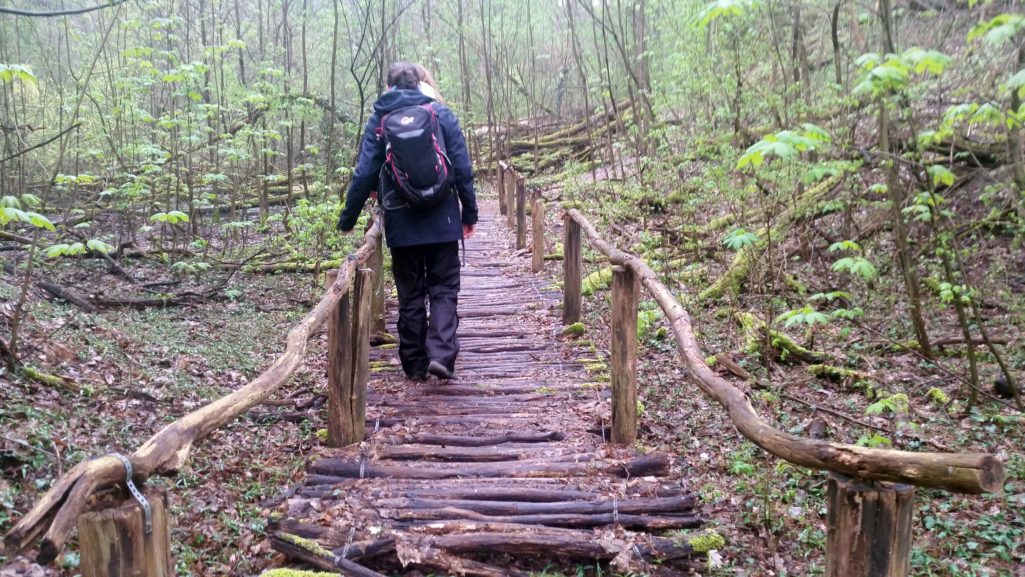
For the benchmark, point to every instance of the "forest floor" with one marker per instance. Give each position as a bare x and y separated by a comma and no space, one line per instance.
145,368
142,369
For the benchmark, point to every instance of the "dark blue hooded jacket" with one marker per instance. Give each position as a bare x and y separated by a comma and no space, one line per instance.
408,226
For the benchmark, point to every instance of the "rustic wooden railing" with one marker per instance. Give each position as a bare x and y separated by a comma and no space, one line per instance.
870,491
115,542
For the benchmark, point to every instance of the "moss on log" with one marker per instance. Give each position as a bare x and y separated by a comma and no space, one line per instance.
736,274
784,348
599,280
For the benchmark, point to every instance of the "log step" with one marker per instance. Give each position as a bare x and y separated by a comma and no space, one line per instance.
329,470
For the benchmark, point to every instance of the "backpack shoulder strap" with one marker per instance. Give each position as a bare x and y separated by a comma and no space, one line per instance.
436,126
380,126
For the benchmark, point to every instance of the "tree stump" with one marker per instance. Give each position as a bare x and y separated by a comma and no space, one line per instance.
113,542
869,528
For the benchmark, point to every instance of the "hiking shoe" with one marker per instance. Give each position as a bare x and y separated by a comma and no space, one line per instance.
439,370
416,377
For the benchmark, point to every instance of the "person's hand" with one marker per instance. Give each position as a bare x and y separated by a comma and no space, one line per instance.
467,231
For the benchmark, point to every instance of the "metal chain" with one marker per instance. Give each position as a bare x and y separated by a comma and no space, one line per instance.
345,551
147,511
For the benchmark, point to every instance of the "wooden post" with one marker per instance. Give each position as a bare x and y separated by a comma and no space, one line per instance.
377,308
521,214
510,198
624,355
537,228
361,322
339,369
868,528
113,542
501,188
572,267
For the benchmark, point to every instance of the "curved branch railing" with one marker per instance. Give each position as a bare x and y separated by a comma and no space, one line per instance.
958,472
166,451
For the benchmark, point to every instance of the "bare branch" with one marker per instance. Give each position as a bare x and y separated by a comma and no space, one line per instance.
52,14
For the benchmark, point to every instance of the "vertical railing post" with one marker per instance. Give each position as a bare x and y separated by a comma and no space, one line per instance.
339,366
624,355
521,213
361,323
510,197
377,300
348,366
868,528
502,209
572,267
114,542
537,228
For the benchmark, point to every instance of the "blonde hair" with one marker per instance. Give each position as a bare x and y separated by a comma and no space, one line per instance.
426,78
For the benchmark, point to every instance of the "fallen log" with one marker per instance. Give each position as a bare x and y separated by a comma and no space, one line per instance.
309,551
740,268
66,295
329,537
528,539
758,335
166,451
94,303
416,552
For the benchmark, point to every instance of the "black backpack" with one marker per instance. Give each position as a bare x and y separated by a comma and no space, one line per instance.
416,165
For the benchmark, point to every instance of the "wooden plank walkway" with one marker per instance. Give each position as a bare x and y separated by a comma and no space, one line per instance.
499,472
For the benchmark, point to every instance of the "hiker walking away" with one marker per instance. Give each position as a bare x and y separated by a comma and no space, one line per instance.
414,154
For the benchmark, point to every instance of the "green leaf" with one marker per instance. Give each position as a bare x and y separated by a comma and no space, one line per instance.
9,73
31,200
998,30
856,265
39,221
1017,82
176,216
739,239
10,201
930,61
845,245
940,175
720,9
56,250
99,246
9,213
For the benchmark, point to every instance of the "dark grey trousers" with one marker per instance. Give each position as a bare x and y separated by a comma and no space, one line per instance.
427,273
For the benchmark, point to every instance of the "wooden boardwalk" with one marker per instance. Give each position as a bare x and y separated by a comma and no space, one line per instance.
502,471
